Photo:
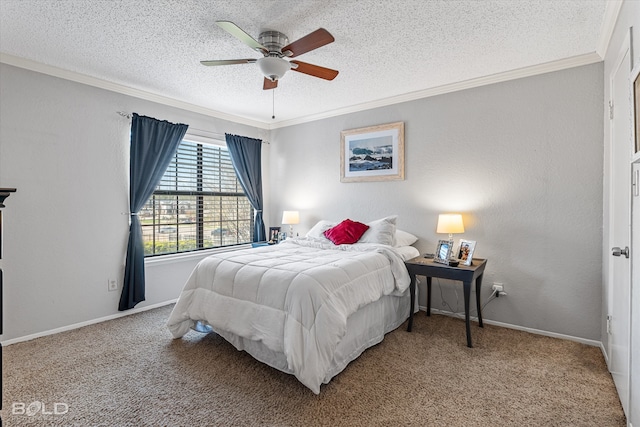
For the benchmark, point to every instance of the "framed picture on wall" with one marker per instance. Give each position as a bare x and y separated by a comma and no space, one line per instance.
465,251
374,153
635,89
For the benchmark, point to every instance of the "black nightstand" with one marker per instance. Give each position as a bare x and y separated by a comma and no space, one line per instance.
421,266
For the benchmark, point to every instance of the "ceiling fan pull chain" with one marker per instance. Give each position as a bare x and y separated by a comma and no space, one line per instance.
273,104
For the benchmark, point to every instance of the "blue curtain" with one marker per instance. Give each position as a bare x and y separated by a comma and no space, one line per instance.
247,161
153,144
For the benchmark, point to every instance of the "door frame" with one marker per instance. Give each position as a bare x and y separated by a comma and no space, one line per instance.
634,341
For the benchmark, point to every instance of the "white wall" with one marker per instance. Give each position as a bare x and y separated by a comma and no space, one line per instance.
65,149
522,160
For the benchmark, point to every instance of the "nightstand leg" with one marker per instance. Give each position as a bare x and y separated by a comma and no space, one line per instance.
428,296
479,306
467,296
412,291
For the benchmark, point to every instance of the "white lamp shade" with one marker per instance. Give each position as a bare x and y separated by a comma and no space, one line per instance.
450,224
290,217
273,68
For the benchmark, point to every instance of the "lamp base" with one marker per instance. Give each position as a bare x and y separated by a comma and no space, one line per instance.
452,257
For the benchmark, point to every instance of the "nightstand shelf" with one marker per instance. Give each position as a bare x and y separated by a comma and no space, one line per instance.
421,266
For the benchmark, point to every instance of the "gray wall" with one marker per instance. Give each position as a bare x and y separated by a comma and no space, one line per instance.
65,149
522,160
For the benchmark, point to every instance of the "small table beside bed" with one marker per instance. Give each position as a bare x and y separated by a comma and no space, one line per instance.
467,274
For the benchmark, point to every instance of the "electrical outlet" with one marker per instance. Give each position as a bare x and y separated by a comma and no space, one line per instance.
498,288
112,285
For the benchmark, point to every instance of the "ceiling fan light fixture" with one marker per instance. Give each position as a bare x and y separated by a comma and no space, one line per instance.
276,49
273,67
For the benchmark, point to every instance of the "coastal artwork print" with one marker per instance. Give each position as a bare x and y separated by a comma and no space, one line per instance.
374,153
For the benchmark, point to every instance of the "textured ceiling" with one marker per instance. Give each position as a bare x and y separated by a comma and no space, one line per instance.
382,48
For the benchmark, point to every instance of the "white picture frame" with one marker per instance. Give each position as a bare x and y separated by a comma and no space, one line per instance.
465,251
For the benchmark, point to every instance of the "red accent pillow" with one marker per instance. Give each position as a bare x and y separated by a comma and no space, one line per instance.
347,232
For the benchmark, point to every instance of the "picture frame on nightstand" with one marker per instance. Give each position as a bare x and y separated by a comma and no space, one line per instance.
443,251
465,251
274,234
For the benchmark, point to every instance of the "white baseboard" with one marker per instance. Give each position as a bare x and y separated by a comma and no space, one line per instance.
604,353
421,308
87,323
522,328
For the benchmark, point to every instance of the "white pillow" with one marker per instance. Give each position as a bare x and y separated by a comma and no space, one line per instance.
380,231
317,231
404,239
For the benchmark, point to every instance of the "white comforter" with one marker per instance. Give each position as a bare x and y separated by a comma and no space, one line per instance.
295,297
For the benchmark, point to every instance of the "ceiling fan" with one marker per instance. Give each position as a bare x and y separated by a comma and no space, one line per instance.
275,47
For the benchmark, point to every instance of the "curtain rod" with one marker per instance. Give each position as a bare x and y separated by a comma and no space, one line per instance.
208,133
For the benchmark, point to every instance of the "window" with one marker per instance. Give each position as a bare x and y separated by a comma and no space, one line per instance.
198,204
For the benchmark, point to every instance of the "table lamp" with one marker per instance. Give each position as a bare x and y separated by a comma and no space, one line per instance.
290,218
450,224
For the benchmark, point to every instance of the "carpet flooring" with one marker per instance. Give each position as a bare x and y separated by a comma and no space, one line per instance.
130,372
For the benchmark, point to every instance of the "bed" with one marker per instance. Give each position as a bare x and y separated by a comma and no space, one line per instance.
305,306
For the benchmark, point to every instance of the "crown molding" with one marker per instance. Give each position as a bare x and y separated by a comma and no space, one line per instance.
562,64
611,12
548,67
125,90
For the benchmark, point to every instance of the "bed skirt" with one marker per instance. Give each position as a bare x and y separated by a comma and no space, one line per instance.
365,328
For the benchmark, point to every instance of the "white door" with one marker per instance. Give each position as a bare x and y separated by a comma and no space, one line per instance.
620,210
634,400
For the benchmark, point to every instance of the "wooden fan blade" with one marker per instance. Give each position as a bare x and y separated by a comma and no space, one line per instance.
314,70
318,38
268,84
239,33
228,61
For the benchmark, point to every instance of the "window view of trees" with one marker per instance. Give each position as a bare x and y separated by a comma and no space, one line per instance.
198,204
